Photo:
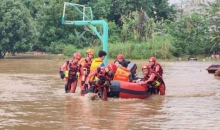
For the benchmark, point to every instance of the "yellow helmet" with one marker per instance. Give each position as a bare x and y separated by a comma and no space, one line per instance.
90,51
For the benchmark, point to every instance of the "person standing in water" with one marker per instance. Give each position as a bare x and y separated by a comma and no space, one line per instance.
71,68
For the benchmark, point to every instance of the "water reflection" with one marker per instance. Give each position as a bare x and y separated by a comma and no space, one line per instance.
118,114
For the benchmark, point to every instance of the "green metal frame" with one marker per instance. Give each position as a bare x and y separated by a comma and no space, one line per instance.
90,22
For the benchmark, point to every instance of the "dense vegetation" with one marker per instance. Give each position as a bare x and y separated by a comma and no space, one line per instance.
138,29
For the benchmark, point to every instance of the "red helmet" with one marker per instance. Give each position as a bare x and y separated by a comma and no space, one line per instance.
152,59
77,55
120,56
90,51
112,67
145,67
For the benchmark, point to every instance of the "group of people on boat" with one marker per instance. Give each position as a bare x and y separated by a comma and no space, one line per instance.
92,75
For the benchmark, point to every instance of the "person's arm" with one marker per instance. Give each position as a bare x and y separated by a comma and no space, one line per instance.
157,69
62,68
82,74
117,63
151,78
91,74
81,71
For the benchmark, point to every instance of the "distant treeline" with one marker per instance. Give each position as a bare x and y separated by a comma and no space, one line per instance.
138,29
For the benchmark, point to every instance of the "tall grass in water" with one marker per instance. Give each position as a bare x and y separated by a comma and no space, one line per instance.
161,47
69,50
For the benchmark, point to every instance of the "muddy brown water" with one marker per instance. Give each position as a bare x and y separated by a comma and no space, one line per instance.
32,98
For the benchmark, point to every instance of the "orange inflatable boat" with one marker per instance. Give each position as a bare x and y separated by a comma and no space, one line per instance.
122,87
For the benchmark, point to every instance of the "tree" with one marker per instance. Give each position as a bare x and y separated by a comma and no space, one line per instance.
157,9
18,32
52,32
160,9
213,16
34,6
100,8
135,26
190,34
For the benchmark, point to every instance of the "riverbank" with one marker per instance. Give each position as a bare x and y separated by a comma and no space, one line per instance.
49,56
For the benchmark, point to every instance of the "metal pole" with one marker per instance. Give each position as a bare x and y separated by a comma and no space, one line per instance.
103,38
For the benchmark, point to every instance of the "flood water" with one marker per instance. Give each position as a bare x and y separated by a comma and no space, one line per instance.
32,97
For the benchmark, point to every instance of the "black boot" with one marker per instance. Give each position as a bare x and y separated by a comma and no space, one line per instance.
66,88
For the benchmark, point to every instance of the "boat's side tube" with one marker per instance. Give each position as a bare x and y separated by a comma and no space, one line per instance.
114,89
123,89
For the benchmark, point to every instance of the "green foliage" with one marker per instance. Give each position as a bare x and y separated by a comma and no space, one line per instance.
134,27
145,27
160,10
101,8
69,50
33,6
161,47
56,47
48,24
213,19
114,32
190,35
157,9
51,30
18,33
138,27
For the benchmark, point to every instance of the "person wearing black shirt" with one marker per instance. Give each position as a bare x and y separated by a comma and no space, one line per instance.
121,61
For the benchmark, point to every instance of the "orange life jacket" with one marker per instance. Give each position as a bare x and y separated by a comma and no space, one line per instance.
73,69
103,76
122,74
146,77
85,64
156,81
160,72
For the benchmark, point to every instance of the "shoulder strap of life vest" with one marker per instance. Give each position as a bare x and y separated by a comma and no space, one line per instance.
99,69
67,63
160,70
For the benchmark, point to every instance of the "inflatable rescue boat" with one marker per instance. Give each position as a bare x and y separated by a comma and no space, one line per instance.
122,87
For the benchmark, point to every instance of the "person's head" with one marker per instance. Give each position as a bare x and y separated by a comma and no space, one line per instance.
112,68
120,57
152,61
90,53
76,57
102,54
146,69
